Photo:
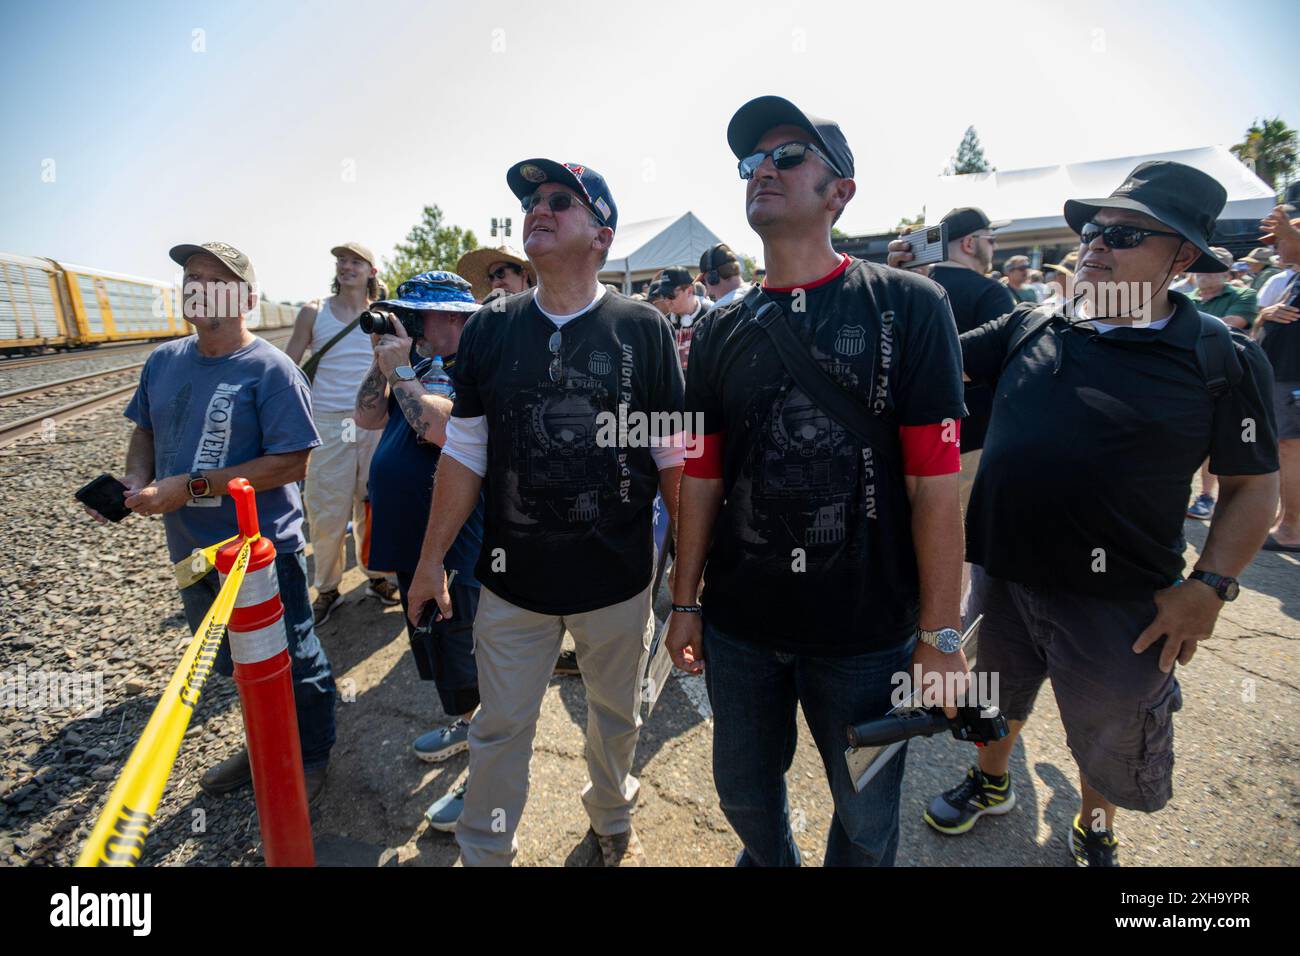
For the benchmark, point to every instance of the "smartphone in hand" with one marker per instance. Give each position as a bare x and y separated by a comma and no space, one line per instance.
105,495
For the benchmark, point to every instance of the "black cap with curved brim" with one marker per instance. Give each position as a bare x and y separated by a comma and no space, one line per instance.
967,219
523,179
767,112
1185,199
230,257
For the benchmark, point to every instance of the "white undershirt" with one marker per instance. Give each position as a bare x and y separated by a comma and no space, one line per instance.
467,438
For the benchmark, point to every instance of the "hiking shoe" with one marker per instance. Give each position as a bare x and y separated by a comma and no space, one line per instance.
621,849
955,811
437,745
1093,847
1202,508
385,590
566,665
444,812
324,605
229,775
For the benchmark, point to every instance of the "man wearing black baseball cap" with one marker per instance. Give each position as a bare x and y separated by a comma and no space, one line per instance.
684,308
567,541
720,273
829,539
1104,408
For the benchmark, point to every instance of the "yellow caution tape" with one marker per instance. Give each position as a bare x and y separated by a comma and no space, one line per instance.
188,570
119,834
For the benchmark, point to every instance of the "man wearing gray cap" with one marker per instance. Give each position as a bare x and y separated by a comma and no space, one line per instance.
335,489
225,404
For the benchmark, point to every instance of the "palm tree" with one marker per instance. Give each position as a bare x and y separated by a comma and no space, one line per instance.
1270,149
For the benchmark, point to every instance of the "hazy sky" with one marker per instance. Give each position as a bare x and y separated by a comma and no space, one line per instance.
284,128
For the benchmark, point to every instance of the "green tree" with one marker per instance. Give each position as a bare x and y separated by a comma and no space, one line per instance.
1269,148
430,245
916,220
747,266
970,156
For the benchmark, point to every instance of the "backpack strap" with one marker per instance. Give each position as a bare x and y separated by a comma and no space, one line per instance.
1031,323
1216,356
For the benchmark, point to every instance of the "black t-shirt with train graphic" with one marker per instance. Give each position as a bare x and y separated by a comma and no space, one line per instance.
812,551
569,512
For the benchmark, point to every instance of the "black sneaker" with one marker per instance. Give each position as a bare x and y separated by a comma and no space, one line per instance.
567,664
955,811
1093,847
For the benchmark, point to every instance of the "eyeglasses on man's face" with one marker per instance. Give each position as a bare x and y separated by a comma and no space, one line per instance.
785,156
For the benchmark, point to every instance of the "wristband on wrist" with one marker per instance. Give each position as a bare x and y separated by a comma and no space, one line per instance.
686,608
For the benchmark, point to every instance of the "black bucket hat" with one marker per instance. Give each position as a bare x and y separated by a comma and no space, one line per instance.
1185,199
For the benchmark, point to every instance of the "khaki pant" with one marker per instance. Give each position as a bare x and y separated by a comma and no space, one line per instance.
515,652
335,491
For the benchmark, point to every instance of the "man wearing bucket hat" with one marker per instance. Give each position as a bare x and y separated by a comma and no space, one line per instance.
1124,388
1261,268
225,404
567,543
498,267
335,490
408,394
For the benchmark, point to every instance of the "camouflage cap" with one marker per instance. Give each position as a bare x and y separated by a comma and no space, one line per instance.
230,257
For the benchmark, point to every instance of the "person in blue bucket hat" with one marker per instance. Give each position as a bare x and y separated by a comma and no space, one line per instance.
408,393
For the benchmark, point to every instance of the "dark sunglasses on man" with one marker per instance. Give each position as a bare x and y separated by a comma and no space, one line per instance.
785,156
556,202
499,274
1120,236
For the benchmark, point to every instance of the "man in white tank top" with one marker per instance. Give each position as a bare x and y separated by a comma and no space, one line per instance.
335,489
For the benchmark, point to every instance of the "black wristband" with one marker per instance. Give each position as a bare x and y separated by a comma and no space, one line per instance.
686,608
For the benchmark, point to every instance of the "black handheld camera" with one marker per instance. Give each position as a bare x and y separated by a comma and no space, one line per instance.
381,322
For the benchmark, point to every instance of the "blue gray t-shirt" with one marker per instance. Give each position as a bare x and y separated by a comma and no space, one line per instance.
207,413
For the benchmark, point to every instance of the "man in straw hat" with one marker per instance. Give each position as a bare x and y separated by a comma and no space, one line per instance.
496,267
1103,411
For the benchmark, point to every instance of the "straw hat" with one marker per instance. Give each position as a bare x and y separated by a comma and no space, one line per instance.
474,267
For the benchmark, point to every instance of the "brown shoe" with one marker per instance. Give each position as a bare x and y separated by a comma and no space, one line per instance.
324,605
315,780
227,776
385,590
621,849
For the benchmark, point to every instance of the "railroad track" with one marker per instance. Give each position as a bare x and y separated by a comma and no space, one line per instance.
7,364
17,401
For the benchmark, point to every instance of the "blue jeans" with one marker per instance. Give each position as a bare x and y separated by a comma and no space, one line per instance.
313,681
754,692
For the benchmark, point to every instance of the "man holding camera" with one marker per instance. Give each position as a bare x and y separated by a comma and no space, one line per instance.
832,540
1104,408
220,405
570,495
408,394
335,489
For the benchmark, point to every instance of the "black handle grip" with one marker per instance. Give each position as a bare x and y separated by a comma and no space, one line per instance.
896,727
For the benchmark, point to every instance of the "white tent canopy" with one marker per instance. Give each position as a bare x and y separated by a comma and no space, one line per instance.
1033,198
641,249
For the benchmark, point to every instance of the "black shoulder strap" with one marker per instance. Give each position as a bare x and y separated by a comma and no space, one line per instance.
1216,354
1031,323
309,366
831,397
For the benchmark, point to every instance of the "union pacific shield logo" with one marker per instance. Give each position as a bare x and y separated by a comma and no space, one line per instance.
599,363
852,339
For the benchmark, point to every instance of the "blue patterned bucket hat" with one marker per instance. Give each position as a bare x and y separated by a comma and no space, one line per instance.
434,292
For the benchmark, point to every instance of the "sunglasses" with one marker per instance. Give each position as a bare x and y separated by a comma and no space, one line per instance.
504,271
1119,236
556,369
785,156
556,202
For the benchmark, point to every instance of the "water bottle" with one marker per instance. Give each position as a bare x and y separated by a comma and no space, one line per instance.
436,379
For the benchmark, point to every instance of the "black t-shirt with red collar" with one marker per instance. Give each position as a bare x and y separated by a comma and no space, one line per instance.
812,551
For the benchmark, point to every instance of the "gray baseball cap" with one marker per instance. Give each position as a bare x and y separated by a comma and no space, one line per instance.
230,257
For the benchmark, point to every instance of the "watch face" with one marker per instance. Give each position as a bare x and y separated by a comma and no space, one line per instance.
1230,590
198,487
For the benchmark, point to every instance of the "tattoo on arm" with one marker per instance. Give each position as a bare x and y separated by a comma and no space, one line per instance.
413,409
371,394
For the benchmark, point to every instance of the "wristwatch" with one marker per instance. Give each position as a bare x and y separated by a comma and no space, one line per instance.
199,486
1227,588
403,373
947,639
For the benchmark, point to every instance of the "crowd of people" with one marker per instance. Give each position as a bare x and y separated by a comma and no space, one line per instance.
856,461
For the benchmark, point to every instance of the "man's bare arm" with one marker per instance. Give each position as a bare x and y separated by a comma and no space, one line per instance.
698,502
371,412
1242,517
670,480
269,471
302,329
139,456
938,540
426,413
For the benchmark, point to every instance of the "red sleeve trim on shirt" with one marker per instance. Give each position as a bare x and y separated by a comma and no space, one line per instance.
707,462
930,450
833,274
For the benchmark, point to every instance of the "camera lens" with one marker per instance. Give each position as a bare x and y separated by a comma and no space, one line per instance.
373,322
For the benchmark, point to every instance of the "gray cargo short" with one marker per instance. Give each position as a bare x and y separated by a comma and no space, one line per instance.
1117,707
1287,411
